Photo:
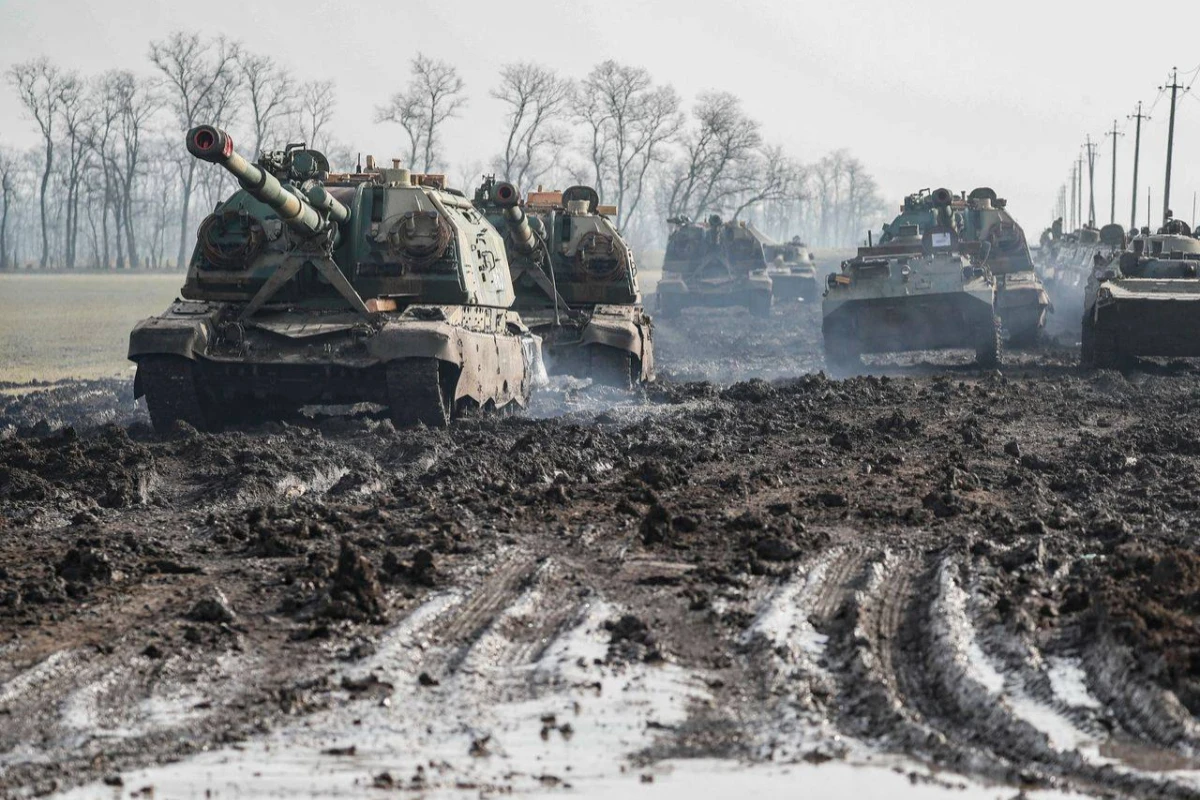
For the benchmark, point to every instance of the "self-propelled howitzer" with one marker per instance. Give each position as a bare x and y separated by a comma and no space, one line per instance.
575,280
307,287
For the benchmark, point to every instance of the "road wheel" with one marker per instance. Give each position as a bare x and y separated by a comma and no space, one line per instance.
172,393
417,393
611,366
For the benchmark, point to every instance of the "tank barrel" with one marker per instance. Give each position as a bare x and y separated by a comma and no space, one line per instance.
297,211
507,197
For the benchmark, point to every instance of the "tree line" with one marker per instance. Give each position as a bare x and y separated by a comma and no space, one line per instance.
109,186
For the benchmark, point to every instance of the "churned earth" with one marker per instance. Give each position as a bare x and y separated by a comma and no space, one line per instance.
929,581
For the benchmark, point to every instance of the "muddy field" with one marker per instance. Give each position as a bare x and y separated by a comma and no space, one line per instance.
929,581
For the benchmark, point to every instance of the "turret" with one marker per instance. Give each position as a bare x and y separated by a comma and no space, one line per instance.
507,197
308,212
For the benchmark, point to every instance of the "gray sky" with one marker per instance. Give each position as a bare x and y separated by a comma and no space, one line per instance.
925,94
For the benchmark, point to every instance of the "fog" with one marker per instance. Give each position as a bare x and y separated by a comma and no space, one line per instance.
922,95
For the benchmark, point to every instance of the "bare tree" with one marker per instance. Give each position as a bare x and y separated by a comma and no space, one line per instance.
8,179
202,78
271,92
318,100
139,103
77,113
41,87
719,154
434,94
773,177
536,99
630,121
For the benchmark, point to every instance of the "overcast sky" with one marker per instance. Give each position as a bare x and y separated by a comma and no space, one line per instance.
925,94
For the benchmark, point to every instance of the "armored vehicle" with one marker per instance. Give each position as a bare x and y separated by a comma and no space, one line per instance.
920,288
1142,300
575,280
1021,298
982,217
307,287
716,263
792,270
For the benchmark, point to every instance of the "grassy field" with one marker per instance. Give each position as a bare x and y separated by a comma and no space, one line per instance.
60,326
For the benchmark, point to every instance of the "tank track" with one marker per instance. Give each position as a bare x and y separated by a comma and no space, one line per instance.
416,394
172,394
610,366
987,344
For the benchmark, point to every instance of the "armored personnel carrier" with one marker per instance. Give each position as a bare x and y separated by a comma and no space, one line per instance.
792,270
716,263
575,280
920,288
307,287
1142,300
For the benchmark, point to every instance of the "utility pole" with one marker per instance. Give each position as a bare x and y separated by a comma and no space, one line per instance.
1073,225
1174,87
1137,148
1079,191
1114,133
1091,158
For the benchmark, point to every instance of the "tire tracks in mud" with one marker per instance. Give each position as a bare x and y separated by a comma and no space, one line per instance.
909,665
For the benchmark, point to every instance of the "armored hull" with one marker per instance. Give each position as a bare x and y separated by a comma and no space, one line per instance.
794,283
714,264
609,343
311,288
910,296
1145,301
1022,303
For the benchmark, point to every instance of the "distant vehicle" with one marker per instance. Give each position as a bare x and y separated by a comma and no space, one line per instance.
575,280
1142,297
716,263
307,287
792,270
921,288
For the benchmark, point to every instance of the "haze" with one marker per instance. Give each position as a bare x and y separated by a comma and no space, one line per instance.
965,94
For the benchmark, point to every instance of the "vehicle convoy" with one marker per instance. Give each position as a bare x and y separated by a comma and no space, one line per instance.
1142,300
920,288
307,287
792,270
575,280
716,263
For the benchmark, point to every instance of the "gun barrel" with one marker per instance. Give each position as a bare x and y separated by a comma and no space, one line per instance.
216,146
507,197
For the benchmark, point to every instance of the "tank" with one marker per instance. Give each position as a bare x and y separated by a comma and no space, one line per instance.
1142,296
792,270
575,280
307,287
920,288
716,263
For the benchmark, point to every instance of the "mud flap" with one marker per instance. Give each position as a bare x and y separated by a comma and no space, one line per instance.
535,366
